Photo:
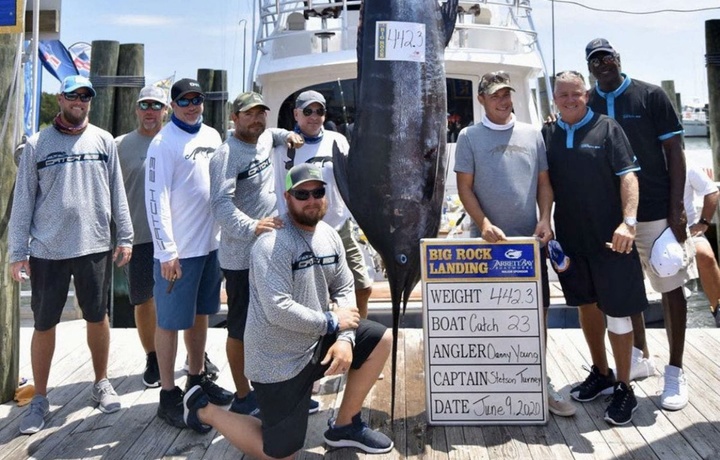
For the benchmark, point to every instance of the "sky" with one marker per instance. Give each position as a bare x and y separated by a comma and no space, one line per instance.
182,36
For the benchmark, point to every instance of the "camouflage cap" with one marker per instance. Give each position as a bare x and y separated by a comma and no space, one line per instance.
247,101
492,82
304,172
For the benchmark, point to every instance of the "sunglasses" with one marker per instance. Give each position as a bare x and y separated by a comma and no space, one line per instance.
75,96
307,111
197,100
303,195
156,106
607,59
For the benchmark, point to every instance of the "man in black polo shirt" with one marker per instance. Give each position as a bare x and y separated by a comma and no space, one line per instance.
653,129
592,171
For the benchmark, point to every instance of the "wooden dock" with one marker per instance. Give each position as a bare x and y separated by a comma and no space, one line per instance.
75,429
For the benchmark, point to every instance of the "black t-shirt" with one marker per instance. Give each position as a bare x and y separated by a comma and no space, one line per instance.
647,117
585,161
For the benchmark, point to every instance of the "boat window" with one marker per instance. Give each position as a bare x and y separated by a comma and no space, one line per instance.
460,106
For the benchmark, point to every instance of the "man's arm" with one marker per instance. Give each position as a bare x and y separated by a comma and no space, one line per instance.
472,207
119,208
545,199
624,234
675,157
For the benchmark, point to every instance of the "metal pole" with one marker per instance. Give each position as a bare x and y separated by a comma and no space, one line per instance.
244,23
35,59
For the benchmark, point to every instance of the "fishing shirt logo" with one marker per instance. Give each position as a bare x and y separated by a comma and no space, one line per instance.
590,146
308,259
204,152
58,158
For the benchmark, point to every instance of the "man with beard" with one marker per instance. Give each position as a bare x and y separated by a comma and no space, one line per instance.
654,131
185,242
243,202
69,188
302,325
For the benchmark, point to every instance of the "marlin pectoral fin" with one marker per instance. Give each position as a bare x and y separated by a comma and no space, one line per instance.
340,170
449,15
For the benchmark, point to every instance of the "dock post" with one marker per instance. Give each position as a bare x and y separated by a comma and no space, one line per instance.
9,289
669,87
712,60
103,66
205,77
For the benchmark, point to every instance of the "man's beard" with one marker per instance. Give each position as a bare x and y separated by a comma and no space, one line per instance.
73,119
303,219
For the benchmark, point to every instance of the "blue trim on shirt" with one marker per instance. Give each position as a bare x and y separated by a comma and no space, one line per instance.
610,96
669,135
570,129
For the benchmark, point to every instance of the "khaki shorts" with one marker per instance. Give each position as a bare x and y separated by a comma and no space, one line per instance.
647,233
354,257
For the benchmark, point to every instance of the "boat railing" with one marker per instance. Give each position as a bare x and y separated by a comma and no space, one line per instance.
290,28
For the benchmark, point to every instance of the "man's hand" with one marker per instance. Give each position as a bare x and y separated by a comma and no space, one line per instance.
677,220
339,356
268,224
349,318
493,234
623,238
122,255
295,140
543,232
698,229
171,269
20,270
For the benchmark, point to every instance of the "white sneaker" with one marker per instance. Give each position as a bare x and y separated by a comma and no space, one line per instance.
557,404
104,394
640,367
675,392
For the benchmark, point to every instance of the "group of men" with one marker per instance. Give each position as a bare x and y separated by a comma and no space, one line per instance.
613,165
192,209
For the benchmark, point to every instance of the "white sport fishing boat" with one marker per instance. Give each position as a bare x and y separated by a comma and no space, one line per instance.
695,120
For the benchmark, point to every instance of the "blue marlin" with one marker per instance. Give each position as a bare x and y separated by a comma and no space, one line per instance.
393,180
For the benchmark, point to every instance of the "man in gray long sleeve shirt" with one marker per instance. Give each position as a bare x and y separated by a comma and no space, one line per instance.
69,187
302,324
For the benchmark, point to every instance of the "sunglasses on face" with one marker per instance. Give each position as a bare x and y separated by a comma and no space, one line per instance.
75,96
197,100
607,59
156,106
303,195
307,111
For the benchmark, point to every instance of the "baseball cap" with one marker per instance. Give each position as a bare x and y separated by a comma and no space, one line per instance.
152,93
492,82
75,82
308,97
667,256
597,45
185,86
247,101
304,172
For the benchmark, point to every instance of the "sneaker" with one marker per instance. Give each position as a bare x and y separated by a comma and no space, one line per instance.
622,406
716,315
151,376
675,391
247,405
194,400
594,385
170,408
211,369
104,394
557,404
314,406
359,435
215,393
641,367
34,419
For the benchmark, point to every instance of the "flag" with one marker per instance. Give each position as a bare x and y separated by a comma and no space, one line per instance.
56,59
165,83
80,53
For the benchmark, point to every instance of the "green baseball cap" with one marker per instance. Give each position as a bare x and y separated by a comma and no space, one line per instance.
247,101
304,172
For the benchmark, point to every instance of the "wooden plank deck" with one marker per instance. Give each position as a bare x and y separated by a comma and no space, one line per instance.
76,430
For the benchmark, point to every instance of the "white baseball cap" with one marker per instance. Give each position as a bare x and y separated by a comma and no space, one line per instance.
668,255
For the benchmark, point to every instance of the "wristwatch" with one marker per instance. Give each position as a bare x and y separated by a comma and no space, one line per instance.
704,222
630,221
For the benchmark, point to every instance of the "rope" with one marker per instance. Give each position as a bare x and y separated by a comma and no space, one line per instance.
117,81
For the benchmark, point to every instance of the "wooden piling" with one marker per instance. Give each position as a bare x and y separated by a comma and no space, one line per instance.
669,87
9,289
712,59
219,107
104,63
205,77
131,62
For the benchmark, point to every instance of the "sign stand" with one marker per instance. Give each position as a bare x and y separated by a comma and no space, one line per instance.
483,331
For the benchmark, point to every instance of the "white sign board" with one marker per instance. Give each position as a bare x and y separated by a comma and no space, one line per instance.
483,332
399,41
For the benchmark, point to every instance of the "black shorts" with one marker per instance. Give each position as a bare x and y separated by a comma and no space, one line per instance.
284,405
613,280
237,287
50,282
139,273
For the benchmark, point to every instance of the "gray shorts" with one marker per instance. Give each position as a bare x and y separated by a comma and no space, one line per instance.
647,233
354,257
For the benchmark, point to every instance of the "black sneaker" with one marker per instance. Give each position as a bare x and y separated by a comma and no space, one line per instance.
357,434
151,376
194,400
215,393
594,385
716,315
247,405
622,406
170,408
211,369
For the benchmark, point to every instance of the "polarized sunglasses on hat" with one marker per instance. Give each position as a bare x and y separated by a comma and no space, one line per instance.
307,111
184,102
145,105
75,96
303,195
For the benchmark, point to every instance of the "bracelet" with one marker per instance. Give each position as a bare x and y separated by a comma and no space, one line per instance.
704,222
